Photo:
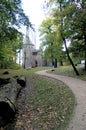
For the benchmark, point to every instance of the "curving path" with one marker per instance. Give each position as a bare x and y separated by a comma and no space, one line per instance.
79,89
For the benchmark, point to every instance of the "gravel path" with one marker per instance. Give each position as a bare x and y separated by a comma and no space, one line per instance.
79,89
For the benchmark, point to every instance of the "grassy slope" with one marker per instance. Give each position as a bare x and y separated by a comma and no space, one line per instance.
16,72
51,103
68,71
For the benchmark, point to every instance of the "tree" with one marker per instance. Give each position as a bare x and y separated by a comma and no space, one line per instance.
48,32
11,13
12,18
79,26
62,19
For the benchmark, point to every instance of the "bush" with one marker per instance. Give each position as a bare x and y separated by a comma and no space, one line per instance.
65,63
9,65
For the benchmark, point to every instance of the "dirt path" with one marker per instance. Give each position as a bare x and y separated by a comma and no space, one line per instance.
79,89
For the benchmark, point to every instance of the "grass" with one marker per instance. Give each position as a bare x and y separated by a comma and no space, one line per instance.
51,102
17,72
68,71
12,73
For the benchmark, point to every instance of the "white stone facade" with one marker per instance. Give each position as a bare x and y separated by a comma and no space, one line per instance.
31,57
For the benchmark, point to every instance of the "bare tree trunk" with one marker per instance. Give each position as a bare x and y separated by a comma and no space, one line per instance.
85,48
24,60
9,92
55,63
62,21
19,57
76,71
52,55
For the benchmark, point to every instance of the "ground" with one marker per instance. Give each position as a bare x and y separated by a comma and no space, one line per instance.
22,122
28,117
78,87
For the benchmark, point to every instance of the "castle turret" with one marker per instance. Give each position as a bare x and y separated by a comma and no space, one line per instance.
31,57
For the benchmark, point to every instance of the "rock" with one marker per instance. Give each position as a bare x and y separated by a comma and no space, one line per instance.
6,72
52,70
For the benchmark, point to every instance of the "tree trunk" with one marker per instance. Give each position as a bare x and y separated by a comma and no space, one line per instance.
62,21
8,96
3,82
55,63
75,70
85,55
52,62
22,81
85,48
61,63
52,55
84,31
24,60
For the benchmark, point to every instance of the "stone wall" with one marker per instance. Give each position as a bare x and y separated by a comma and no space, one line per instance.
31,57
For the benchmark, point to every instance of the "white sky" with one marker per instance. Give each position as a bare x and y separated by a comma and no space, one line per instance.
33,8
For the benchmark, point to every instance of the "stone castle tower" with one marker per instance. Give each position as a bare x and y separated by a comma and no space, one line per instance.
31,56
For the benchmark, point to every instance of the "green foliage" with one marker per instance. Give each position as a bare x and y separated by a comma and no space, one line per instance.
70,17
11,12
13,65
8,48
16,71
51,40
11,19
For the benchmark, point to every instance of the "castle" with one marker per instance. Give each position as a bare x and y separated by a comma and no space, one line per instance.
30,55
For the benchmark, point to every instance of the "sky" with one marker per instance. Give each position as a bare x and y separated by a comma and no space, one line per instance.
33,9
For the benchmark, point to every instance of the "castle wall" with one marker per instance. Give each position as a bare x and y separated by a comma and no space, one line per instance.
31,57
